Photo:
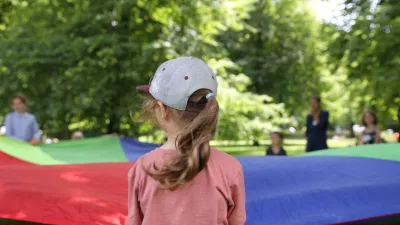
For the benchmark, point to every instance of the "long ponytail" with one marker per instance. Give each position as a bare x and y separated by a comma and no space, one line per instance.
199,122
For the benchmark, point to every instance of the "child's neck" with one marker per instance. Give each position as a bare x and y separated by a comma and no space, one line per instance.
170,144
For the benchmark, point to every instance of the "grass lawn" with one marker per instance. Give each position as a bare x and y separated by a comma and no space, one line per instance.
388,222
16,222
292,147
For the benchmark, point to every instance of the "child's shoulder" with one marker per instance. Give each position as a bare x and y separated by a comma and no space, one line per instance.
225,160
154,155
145,160
223,155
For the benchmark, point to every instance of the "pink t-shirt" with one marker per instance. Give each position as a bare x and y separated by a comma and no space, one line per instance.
216,196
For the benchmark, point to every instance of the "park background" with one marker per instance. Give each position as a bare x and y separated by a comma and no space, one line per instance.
78,62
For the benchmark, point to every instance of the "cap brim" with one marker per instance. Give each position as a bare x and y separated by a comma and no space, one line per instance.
143,88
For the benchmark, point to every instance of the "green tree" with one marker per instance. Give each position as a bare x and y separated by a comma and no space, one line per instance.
367,48
279,48
79,61
244,115
5,7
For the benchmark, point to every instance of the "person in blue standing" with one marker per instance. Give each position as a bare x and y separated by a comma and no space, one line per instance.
21,124
317,126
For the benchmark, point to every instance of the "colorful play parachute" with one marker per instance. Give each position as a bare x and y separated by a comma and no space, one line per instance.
85,182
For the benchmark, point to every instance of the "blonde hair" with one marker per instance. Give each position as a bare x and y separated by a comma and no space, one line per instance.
198,122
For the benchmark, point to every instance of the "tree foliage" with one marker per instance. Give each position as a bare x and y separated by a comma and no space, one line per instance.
245,115
279,49
367,49
79,61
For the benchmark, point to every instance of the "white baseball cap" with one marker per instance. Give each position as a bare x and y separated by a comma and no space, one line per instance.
177,79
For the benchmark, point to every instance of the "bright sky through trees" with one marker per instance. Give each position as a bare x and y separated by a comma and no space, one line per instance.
328,10
331,10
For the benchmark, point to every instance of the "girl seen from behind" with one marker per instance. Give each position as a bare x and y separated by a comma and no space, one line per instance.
185,181
371,133
276,147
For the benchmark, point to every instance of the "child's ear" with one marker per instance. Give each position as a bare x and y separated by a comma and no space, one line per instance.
163,110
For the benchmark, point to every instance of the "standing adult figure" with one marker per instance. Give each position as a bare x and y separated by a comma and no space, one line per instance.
21,124
317,126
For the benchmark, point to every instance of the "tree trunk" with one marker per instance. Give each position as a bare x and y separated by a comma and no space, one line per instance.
113,126
352,135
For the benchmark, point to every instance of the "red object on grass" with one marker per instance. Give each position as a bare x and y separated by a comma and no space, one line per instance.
64,194
7,160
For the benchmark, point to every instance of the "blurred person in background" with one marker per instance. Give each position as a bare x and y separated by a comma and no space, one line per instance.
276,145
317,126
371,133
398,130
21,124
398,115
77,135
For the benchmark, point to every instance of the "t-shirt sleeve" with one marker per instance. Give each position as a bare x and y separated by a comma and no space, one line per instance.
237,211
8,124
35,129
326,125
324,121
307,125
134,211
